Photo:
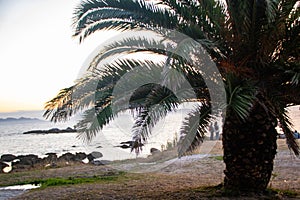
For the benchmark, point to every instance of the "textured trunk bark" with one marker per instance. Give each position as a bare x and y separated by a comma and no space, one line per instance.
249,150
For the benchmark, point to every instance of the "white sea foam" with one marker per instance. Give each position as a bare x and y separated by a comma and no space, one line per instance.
20,187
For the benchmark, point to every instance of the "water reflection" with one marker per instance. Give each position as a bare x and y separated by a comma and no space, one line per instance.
15,190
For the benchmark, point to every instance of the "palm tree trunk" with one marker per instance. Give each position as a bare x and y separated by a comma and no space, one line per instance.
249,150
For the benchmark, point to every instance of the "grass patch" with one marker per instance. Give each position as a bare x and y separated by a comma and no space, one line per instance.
49,182
218,158
71,181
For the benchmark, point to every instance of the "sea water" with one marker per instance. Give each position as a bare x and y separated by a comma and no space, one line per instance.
13,141
12,191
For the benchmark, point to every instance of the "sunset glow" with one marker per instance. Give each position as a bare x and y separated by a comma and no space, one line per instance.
38,55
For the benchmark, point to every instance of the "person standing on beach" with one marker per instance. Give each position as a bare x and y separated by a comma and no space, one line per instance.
211,131
296,134
216,127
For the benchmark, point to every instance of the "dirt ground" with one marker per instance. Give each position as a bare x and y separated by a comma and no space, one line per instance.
161,178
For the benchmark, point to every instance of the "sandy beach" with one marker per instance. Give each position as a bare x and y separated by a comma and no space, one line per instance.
192,177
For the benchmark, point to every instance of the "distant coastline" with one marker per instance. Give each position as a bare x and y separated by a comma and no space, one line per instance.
52,130
20,119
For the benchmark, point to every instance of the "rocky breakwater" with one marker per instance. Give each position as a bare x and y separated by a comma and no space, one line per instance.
53,130
12,163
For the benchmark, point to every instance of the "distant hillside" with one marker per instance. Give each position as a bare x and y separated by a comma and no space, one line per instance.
21,119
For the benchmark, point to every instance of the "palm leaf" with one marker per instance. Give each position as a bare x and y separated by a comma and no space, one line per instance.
131,14
193,129
280,35
60,107
241,95
157,103
286,127
276,105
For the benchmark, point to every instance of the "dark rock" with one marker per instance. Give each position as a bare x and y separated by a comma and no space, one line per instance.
130,143
97,154
94,155
90,157
25,162
97,162
51,157
124,146
98,147
101,162
67,157
80,156
105,162
29,160
8,157
52,130
154,150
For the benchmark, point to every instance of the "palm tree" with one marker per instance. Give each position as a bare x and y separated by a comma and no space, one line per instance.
255,45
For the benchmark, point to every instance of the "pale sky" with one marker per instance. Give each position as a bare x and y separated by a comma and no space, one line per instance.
38,55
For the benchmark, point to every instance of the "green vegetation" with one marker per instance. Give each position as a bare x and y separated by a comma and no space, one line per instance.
217,157
73,180
18,179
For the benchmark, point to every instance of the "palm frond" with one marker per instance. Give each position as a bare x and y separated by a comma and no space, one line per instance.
161,43
145,72
292,70
240,13
296,79
286,127
93,121
93,15
60,107
271,10
280,37
109,101
78,97
70,100
276,104
91,90
241,95
208,16
193,128
157,103
127,45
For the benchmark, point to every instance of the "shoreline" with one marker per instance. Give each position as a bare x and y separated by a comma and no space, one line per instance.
159,179
35,161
